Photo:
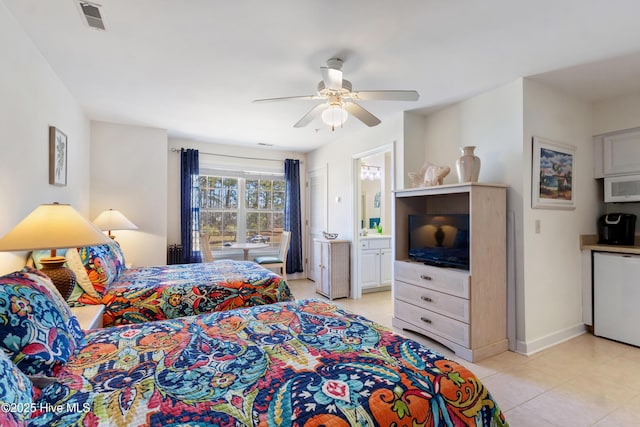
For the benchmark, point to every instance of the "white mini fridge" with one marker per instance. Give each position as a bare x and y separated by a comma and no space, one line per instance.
616,297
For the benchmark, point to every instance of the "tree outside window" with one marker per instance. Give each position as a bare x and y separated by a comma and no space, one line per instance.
238,209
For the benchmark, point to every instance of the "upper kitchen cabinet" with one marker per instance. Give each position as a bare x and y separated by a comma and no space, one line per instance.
617,153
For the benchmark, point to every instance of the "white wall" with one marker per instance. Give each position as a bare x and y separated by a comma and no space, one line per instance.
129,173
338,157
32,98
492,122
553,294
546,267
619,113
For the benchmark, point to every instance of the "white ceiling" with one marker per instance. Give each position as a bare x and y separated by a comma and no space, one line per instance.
193,67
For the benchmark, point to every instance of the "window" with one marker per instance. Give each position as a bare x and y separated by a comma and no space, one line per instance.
236,208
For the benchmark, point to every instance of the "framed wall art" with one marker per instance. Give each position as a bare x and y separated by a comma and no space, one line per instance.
552,175
57,157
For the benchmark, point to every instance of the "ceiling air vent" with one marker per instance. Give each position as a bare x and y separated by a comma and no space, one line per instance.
92,14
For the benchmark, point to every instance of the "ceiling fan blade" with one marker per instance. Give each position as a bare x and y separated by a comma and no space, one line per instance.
386,95
361,114
332,78
312,114
290,98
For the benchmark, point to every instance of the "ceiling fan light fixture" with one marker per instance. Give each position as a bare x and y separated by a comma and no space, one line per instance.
334,116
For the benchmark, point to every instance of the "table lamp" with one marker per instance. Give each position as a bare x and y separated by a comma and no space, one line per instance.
113,220
53,226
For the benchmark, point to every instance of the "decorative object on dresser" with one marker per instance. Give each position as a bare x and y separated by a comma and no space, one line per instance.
332,274
429,175
552,175
468,165
57,157
464,308
330,236
53,226
112,219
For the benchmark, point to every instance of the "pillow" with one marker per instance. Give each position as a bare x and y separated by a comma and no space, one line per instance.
37,329
75,264
100,265
16,394
118,257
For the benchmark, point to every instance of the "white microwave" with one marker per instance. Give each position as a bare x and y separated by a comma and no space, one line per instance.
623,188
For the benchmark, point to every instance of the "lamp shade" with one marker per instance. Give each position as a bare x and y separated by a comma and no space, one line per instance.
113,220
52,226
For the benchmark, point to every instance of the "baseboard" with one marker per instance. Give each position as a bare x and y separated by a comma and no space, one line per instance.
531,347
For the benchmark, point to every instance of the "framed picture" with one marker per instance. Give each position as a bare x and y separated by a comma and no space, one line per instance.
57,157
552,175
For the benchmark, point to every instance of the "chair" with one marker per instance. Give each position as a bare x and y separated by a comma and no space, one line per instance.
205,249
279,261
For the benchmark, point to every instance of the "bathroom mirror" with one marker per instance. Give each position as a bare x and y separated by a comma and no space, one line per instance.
372,203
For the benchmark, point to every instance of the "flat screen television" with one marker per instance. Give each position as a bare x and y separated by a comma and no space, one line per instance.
440,240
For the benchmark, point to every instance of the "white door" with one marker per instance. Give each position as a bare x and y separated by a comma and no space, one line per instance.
385,266
369,268
316,215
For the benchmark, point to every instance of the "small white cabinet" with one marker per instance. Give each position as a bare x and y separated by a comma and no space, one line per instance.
331,259
375,263
617,153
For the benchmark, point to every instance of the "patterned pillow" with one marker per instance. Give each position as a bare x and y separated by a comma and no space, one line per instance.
75,264
100,264
16,394
118,256
37,329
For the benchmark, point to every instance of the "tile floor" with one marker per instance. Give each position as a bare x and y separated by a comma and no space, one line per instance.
587,381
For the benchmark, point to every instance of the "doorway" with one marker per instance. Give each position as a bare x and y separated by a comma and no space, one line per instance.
373,178
317,216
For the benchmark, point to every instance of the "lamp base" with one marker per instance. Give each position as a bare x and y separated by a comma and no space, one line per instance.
63,278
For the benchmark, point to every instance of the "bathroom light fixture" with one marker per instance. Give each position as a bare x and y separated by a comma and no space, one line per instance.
370,172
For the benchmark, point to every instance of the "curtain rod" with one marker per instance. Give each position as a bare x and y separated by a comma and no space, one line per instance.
177,150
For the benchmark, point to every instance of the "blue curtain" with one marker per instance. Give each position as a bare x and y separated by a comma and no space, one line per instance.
292,214
190,205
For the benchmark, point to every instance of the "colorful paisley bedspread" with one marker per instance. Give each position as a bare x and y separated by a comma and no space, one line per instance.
168,292
299,363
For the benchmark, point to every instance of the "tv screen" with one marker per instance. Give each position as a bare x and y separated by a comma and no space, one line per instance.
440,240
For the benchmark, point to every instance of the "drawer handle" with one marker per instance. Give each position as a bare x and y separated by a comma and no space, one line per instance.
427,299
425,320
425,277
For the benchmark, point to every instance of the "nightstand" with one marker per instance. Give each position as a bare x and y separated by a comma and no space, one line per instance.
89,316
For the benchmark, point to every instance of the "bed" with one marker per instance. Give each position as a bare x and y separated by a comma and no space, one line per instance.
296,363
136,295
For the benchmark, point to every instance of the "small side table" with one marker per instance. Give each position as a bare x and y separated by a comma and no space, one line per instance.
89,316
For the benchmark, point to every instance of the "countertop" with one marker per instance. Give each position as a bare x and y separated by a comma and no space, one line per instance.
376,236
589,242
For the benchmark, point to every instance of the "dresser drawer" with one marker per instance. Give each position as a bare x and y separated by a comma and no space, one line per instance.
375,243
450,281
427,320
455,307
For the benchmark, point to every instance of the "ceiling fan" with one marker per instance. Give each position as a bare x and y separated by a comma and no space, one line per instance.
339,99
